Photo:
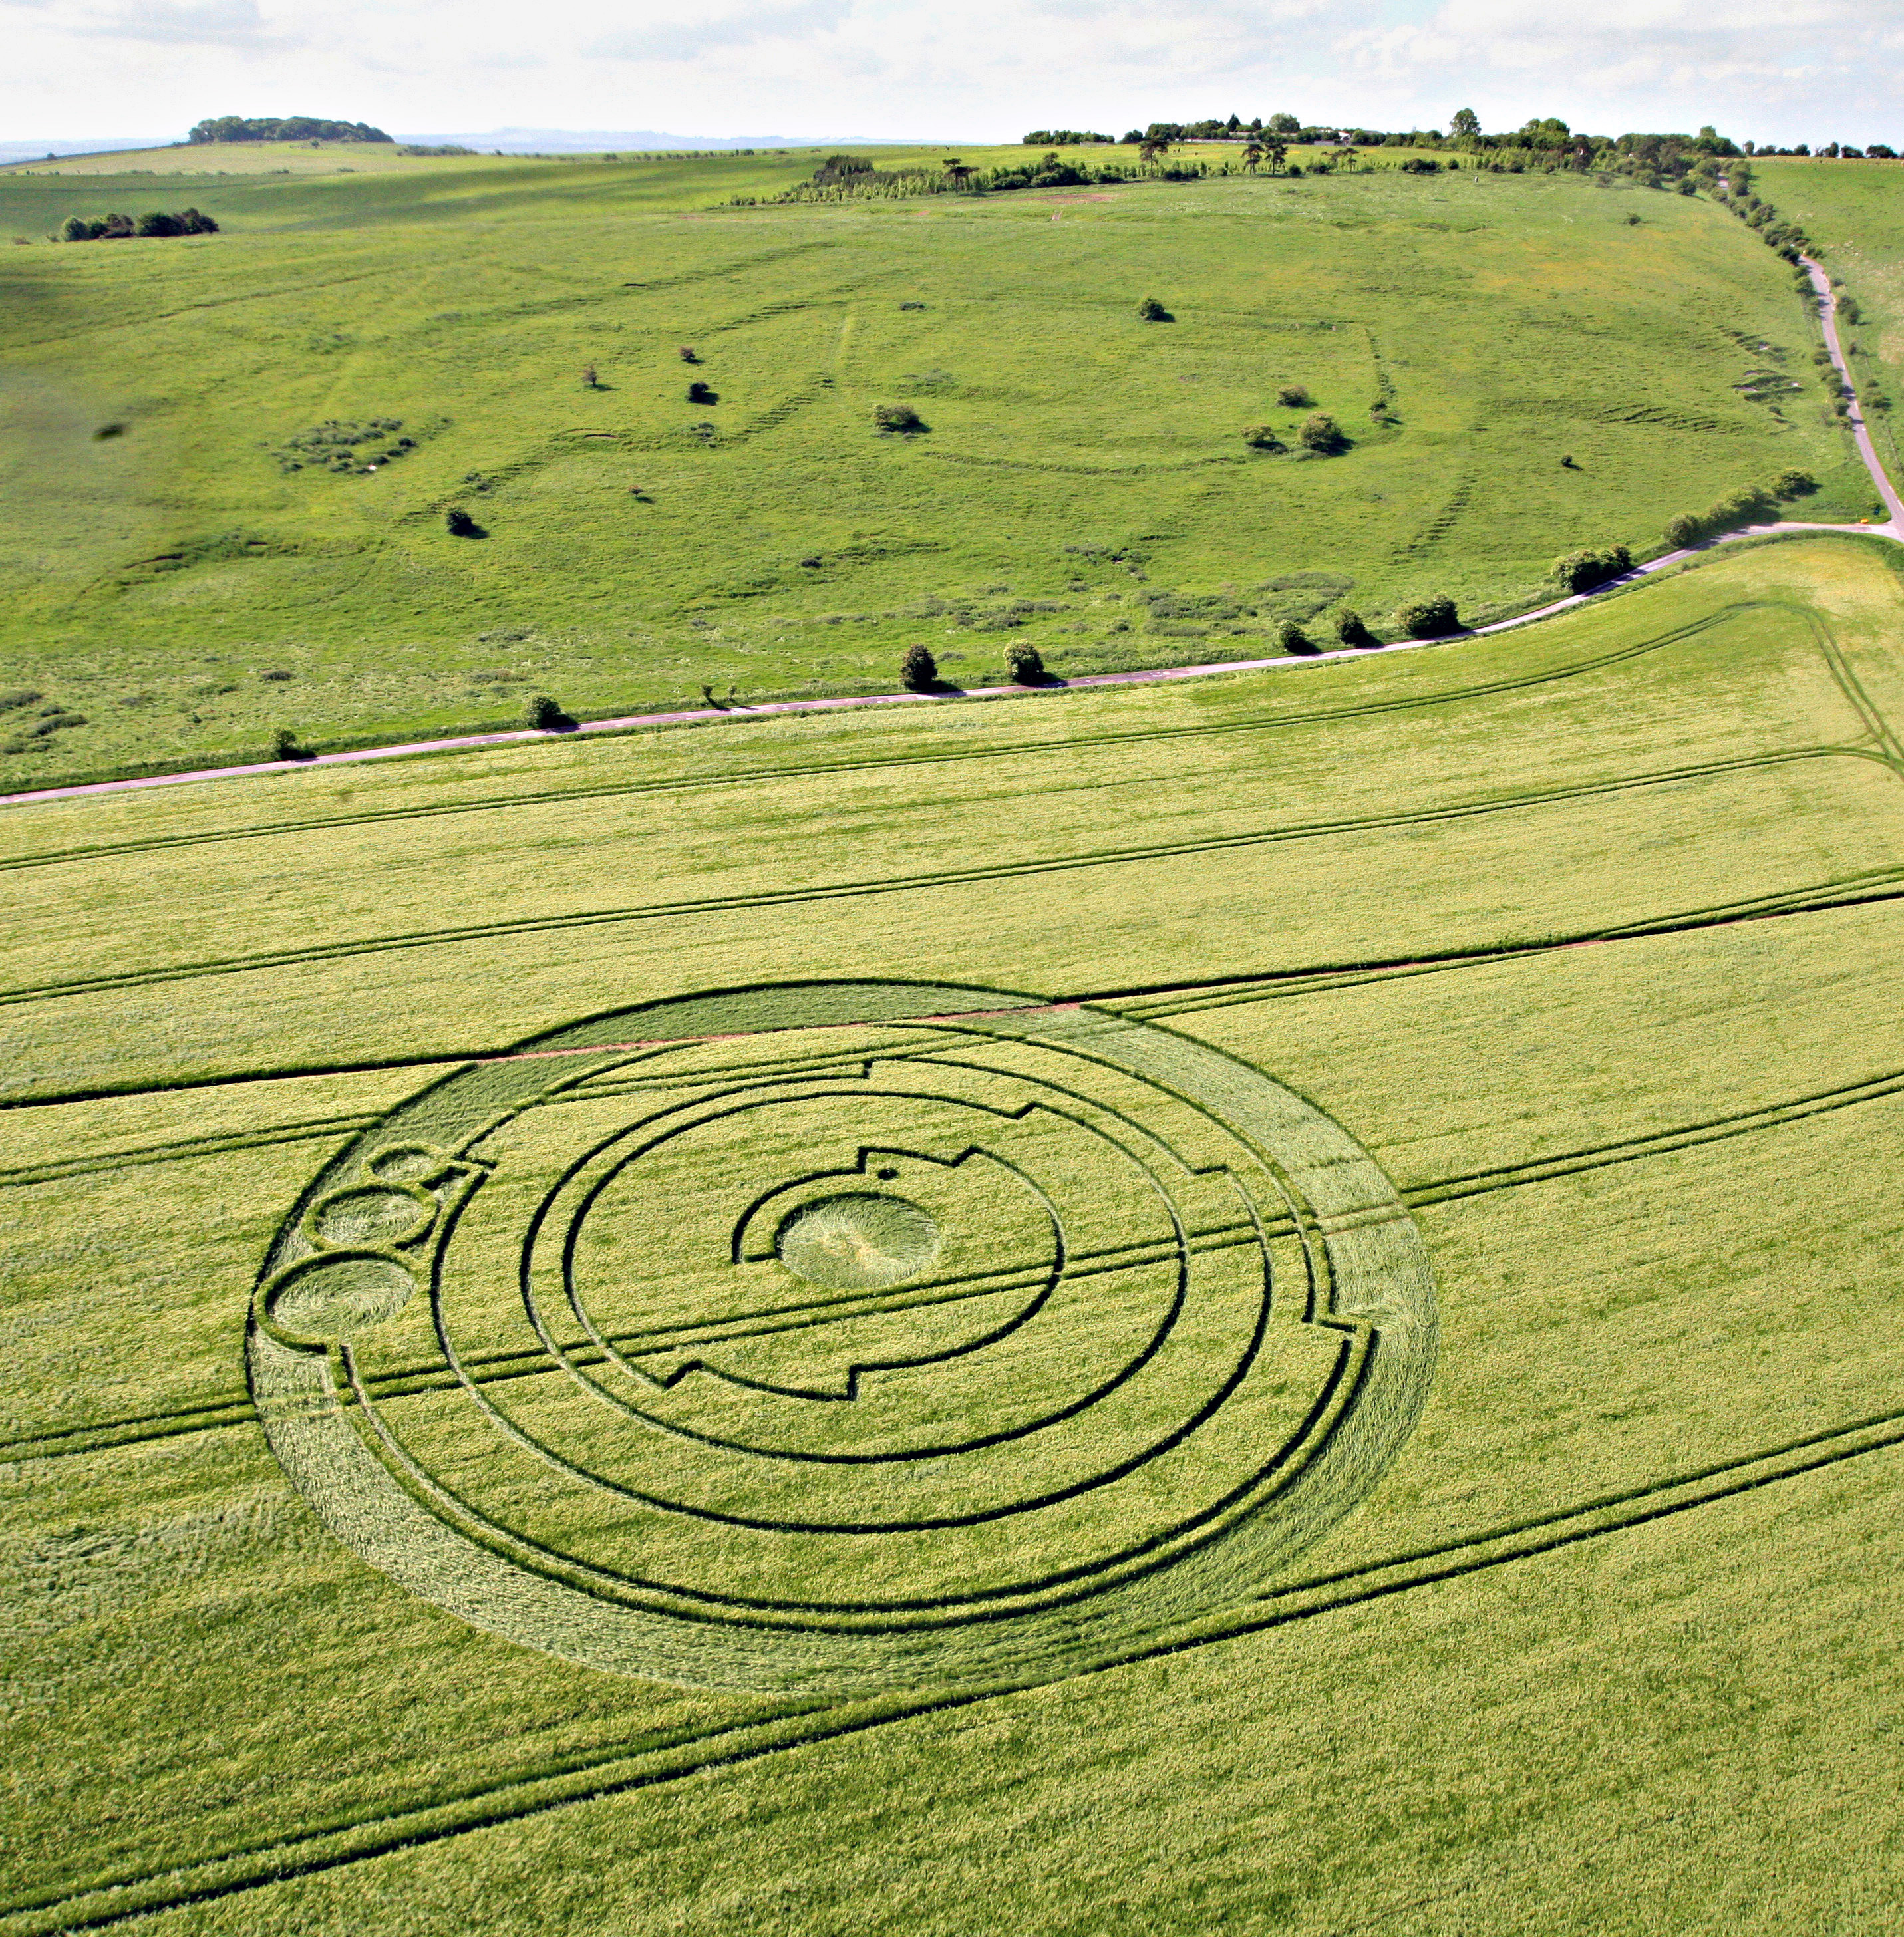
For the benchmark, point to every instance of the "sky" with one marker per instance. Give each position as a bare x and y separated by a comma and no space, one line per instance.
1771,70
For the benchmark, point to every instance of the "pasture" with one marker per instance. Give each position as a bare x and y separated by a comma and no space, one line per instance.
1271,1305
228,461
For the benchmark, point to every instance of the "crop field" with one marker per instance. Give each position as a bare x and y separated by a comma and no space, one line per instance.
1267,1304
227,462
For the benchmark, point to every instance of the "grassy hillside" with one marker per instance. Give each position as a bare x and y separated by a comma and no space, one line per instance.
1855,211
204,573
1564,961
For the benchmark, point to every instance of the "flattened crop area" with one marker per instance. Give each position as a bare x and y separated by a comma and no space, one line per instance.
1276,1305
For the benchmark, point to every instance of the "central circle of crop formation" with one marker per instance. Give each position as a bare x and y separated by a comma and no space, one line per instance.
834,1337
858,1242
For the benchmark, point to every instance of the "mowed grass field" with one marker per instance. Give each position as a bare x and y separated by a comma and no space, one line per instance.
205,573
1565,958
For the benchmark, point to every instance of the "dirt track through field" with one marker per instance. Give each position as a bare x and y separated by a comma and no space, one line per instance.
1893,529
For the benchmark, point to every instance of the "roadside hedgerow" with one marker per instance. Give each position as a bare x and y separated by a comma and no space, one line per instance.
1433,617
1290,637
1024,666
918,671
1352,629
285,746
1582,571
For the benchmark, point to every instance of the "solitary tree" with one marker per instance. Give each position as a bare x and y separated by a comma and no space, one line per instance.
918,671
1466,121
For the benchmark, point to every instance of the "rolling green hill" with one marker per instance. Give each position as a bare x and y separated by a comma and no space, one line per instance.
227,461
1272,1306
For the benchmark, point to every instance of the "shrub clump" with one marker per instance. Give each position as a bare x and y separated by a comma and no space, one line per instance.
1431,618
1290,637
1790,484
1322,434
698,392
117,227
461,524
1582,571
918,671
547,715
1262,437
1294,397
897,420
1352,629
337,444
1024,665
1151,311
285,745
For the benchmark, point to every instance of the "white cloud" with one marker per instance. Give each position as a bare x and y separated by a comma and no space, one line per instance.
1807,70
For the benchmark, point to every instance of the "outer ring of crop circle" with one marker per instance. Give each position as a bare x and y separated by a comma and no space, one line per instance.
1380,1287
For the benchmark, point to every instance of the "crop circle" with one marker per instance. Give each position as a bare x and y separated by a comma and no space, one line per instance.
834,1337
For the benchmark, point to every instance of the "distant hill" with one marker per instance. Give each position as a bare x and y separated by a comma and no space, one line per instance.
597,141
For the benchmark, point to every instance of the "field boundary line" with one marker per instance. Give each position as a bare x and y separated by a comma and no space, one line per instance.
716,905
339,1846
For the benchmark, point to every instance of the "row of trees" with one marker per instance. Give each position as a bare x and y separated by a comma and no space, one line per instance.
118,228
287,128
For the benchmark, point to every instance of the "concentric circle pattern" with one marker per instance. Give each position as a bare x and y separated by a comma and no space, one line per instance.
835,1337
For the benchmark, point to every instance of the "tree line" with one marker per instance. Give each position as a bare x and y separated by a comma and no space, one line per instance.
119,228
287,127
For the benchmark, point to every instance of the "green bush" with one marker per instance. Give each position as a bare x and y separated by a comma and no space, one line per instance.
1024,666
1290,637
1582,571
1683,531
900,420
918,671
1433,617
1789,484
284,746
1293,397
1352,629
698,392
1322,434
547,715
1151,311
461,524
1262,437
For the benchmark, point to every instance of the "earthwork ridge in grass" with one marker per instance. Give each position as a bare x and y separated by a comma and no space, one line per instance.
1068,747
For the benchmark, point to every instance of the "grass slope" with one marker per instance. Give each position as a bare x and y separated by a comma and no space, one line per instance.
1607,1647
1084,483
1855,210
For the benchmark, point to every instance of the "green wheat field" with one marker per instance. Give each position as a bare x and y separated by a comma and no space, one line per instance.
1270,1303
